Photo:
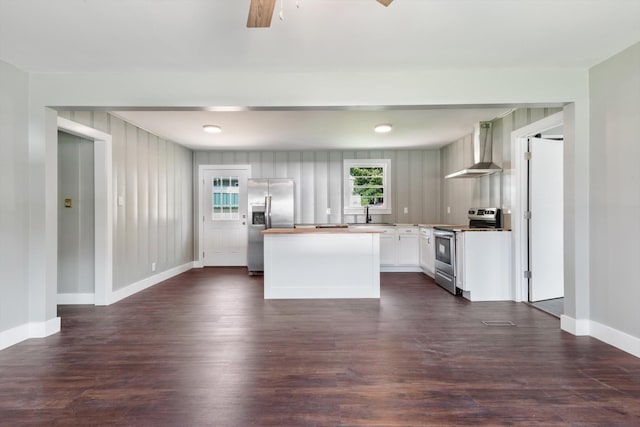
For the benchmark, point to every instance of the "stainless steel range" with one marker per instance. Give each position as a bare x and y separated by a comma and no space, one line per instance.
445,239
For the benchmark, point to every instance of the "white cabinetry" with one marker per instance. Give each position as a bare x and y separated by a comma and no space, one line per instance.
483,265
399,247
408,246
427,251
388,246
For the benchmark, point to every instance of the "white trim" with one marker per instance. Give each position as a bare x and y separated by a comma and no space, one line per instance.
573,326
604,333
103,183
401,269
76,299
347,164
199,229
519,199
29,330
143,284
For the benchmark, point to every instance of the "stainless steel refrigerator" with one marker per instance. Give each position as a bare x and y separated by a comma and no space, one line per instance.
270,202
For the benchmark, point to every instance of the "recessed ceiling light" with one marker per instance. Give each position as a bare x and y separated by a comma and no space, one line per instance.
212,128
383,128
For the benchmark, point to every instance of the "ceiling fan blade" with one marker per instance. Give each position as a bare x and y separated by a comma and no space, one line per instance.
385,3
260,13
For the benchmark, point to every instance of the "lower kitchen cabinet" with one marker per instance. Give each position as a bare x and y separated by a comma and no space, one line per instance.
427,251
388,254
408,246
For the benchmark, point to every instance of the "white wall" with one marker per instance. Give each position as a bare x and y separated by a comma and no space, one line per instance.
153,177
14,207
76,224
615,197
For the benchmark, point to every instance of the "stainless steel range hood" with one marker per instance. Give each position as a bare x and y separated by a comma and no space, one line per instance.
482,156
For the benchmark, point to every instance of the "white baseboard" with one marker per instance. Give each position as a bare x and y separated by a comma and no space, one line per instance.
76,299
607,334
29,330
143,284
400,269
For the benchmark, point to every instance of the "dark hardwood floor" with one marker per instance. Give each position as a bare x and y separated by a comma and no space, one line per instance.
204,348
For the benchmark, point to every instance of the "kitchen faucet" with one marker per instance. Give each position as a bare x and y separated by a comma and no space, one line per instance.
367,217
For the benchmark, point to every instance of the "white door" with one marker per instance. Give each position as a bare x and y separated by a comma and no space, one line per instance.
546,249
224,198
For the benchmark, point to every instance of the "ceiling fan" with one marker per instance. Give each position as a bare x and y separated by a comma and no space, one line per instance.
261,11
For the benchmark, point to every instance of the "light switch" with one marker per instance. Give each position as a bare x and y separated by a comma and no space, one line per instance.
120,201
68,203
406,210
448,209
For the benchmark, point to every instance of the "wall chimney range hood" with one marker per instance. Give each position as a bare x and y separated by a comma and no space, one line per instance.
482,156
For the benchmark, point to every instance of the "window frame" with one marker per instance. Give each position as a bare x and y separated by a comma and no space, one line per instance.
385,164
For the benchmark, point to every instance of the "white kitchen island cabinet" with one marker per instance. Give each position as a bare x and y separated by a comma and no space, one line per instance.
321,263
483,265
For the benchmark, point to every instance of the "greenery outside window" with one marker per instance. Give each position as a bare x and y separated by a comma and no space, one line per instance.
367,183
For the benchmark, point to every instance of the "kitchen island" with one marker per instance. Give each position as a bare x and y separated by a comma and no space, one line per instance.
321,263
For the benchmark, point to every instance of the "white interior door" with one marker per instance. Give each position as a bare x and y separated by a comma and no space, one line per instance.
546,250
224,196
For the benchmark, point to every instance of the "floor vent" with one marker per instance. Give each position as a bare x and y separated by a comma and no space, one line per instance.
498,323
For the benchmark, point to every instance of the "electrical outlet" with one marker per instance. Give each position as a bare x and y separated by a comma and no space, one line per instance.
153,266
328,211
120,201
406,210
448,209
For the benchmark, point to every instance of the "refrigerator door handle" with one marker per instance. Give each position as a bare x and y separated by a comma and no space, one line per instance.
267,215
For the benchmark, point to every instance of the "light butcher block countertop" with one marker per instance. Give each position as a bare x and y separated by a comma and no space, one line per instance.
276,231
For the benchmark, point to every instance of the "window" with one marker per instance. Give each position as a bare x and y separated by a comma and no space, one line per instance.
225,200
367,183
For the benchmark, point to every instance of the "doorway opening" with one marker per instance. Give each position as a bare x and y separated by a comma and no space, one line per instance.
537,216
76,220
102,210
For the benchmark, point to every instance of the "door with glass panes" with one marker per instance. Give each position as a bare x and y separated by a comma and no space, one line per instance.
225,217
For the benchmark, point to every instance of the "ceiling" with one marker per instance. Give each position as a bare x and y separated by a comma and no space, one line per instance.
308,129
66,36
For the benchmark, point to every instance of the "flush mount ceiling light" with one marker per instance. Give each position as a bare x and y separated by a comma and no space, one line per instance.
383,128
212,128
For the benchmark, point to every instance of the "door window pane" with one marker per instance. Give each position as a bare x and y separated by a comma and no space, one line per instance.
225,200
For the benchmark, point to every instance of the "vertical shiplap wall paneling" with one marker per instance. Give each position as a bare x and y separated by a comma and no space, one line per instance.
416,180
163,208
281,170
154,178
402,186
431,190
153,199
295,172
143,204
188,206
255,160
393,217
267,166
118,153
335,186
308,187
347,155
318,180
321,190
131,198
